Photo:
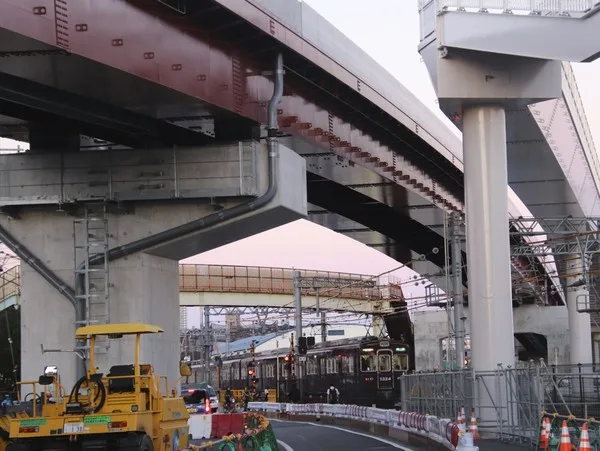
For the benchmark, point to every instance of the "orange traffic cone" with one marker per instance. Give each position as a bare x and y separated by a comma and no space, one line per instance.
565,440
584,441
207,408
473,429
544,434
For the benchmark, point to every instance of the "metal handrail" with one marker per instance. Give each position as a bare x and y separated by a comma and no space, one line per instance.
540,7
247,279
255,279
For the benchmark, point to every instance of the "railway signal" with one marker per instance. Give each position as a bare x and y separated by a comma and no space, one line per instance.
288,360
302,345
252,367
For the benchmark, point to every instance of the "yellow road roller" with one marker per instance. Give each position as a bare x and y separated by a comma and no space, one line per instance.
128,409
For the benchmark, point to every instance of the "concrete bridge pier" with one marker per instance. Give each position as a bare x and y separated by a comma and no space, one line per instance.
202,198
474,90
580,327
143,288
488,251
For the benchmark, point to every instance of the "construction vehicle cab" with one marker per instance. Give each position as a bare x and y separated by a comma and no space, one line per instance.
128,409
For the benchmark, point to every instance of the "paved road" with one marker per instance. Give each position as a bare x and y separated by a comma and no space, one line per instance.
298,436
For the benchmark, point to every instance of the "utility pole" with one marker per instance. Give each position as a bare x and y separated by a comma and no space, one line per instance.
323,316
206,344
298,320
456,236
252,371
298,308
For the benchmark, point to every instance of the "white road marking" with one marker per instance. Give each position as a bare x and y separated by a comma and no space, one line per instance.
349,431
379,439
285,446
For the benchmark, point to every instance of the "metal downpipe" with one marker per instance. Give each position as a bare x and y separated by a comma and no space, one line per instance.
49,276
215,218
27,256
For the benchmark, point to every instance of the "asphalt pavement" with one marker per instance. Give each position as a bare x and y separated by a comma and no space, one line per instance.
299,436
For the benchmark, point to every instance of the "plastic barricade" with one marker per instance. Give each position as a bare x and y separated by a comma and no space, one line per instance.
200,426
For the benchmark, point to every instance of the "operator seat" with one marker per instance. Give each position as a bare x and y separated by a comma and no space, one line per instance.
124,385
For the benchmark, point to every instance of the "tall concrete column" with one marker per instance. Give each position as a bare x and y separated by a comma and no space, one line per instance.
490,291
143,288
580,328
488,254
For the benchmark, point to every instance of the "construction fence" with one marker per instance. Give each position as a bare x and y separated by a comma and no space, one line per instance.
508,402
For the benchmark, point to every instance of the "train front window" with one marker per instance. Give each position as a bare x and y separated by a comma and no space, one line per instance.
385,363
368,361
400,362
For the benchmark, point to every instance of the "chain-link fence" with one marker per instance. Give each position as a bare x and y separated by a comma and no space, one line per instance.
509,401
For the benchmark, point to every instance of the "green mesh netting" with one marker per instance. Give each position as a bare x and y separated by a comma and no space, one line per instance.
269,442
263,441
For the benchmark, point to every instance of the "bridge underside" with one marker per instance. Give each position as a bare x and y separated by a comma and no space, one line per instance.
183,81
55,100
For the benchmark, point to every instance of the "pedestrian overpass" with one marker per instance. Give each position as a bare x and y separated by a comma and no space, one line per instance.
229,286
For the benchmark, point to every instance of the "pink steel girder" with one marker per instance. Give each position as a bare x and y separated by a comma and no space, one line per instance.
158,45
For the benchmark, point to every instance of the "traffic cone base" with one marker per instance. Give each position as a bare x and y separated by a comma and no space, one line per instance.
584,441
565,439
473,429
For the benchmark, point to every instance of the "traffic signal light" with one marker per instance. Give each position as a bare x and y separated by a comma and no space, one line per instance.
251,370
302,346
287,360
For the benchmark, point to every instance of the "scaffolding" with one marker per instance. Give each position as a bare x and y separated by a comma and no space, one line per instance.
533,388
559,239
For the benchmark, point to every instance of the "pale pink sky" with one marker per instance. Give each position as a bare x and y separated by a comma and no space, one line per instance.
303,245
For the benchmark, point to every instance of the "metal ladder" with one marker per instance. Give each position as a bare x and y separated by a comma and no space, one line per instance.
91,262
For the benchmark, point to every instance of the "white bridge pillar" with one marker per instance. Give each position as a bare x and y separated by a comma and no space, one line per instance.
480,87
580,328
488,251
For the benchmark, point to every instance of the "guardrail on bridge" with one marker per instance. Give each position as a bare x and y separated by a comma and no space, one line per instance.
252,279
407,427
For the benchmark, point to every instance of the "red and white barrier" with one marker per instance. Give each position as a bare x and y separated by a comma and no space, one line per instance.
216,425
443,430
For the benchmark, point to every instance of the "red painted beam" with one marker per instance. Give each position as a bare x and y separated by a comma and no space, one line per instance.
169,51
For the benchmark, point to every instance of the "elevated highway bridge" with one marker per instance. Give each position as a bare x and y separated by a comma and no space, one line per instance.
376,157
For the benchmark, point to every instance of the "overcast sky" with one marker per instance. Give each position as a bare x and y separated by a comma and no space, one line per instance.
389,31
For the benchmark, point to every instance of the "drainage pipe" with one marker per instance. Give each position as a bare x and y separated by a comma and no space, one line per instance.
213,219
27,256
